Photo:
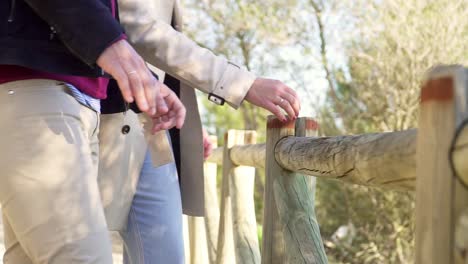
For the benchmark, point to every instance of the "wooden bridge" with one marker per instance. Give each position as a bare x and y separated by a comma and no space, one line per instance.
432,161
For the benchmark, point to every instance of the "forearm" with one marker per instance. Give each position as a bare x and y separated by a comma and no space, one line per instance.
179,56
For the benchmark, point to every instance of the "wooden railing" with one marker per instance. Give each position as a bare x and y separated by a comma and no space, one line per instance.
433,161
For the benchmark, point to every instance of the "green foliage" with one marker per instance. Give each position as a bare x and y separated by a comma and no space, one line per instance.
383,221
397,42
388,45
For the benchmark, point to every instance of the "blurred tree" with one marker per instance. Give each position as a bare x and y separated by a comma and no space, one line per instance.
395,42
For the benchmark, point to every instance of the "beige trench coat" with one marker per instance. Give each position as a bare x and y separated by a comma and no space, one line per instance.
152,28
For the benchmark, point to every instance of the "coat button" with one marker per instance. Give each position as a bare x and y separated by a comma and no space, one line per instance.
125,129
11,92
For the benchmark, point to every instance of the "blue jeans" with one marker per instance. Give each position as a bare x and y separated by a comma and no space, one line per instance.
154,233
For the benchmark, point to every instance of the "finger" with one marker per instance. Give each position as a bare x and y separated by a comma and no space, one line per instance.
131,63
157,124
162,102
137,90
178,114
176,109
180,119
162,107
293,99
180,111
135,73
274,109
121,77
168,96
163,125
287,106
150,89
291,91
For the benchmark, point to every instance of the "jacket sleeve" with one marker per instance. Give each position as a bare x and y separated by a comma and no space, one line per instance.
169,50
86,27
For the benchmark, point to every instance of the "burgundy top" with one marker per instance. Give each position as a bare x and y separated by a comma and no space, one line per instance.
94,87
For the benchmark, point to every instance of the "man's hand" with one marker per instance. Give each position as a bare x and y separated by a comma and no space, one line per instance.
274,95
171,112
207,144
133,77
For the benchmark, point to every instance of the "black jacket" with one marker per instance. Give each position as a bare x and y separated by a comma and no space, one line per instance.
64,37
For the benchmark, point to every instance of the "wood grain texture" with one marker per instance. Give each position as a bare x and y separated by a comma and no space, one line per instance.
226,251
460,156
249,155
211,205
461,236
243,208
198,241
216,156
383,159
440,196
273,247
295,198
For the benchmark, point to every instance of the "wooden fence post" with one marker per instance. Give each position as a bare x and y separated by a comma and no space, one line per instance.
198,241
461,235
211,205
273,241
294,197
440,196
187,243
203,230
243,207
226,251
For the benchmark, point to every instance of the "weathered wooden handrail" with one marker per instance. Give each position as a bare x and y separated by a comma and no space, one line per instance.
249,155
385,160
252,155
382,159
216,156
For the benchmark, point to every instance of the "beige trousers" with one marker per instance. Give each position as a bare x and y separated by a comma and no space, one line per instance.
51,205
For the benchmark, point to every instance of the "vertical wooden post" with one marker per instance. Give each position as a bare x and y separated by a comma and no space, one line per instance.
198,241
226,252
295,196
243,208
186,230
211,205
440,196
461,235
273,241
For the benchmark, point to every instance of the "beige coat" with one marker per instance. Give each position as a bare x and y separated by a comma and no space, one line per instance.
149,25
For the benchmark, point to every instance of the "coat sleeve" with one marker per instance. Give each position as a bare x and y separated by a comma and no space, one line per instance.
171,51
86,27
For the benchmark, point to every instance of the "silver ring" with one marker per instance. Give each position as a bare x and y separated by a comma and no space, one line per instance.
281,101
131,72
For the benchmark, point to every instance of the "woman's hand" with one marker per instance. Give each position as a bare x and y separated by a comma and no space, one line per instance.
274,96
207,144
171,112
